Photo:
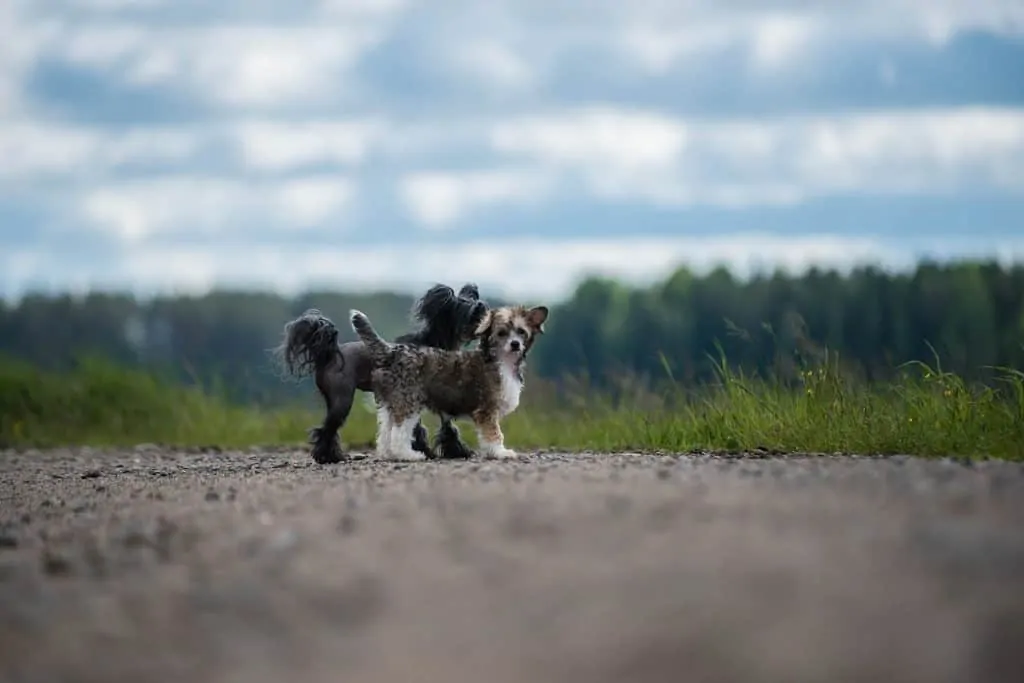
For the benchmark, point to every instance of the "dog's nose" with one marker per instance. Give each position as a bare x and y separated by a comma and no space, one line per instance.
514,345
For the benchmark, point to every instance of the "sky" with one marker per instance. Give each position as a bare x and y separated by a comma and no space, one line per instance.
166,146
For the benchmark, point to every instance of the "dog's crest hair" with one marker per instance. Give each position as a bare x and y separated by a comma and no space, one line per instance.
442,322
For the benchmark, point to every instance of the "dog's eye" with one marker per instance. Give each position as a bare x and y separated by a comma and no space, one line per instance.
503,332
521,332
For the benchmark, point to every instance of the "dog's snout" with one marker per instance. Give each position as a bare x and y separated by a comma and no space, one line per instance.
515,344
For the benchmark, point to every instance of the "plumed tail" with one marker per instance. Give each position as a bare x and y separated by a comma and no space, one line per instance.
310,343
375,344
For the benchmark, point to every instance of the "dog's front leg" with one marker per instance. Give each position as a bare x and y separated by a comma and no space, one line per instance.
492,441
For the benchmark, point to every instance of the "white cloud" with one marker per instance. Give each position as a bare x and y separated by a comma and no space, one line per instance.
114,5
599,136
439,199
21,44
614,154
276,146
349,8
231,65
245,56
738,163
523,269
772,35
779,39
497,66
271,65
770,39
135,211
31,149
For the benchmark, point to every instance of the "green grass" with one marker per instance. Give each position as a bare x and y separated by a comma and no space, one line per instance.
925,412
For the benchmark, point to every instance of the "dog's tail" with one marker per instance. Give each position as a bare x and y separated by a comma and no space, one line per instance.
310,343
375,344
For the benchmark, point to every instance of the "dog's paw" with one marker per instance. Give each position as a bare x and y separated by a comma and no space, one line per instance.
329,455
501,453
452,450
408,455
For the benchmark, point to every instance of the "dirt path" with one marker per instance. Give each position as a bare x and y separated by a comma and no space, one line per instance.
148,565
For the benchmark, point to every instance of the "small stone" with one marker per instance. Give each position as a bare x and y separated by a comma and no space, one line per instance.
55,564
348,524
91,474
212,495
284,540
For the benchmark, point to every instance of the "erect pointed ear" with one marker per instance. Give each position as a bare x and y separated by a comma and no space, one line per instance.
485,324
535,318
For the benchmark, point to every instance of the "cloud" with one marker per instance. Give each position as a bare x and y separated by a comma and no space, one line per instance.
186,126
135,211
657,37
286,145
496,66
230,66
523,269
34,149
626,154
769,39
439,199
609,154
599,136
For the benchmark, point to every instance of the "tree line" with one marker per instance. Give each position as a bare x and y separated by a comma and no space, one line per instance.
971,314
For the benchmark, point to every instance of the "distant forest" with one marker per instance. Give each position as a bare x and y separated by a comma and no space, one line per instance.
971,314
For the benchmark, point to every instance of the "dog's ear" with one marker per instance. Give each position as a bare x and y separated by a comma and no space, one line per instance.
535,318
470,291
485,325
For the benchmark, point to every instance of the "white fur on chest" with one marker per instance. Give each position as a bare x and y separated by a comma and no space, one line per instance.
511,387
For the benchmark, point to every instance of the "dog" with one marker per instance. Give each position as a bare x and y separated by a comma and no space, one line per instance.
483,383
310,346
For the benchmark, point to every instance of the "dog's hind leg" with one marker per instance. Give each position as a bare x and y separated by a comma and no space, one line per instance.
447,444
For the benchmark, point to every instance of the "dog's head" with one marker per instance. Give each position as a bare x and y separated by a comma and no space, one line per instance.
510,331
449,319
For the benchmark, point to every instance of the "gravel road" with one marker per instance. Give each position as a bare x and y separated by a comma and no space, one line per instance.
259,566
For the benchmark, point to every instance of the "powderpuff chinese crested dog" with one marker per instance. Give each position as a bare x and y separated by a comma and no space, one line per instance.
482,383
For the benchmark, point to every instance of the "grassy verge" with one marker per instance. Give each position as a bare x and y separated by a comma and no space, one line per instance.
926,412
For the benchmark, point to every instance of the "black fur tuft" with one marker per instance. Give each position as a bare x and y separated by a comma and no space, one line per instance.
448,445
470,291
445,317
310,341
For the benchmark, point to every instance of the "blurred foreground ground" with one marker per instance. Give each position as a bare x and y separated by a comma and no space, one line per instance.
151,565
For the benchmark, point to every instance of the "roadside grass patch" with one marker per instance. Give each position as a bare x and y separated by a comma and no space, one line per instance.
926,412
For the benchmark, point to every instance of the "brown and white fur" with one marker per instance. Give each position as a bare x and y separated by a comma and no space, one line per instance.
483,383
